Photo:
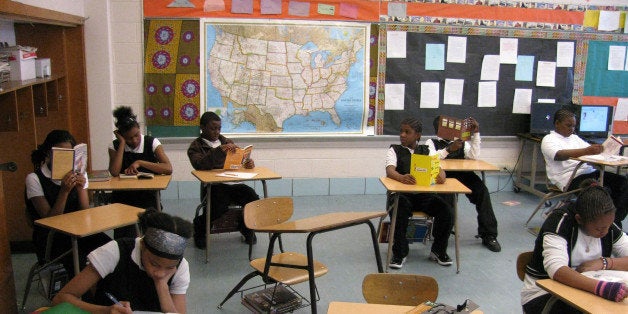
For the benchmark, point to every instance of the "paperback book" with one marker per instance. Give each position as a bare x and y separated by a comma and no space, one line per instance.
450,128
235,159
64,160
140,175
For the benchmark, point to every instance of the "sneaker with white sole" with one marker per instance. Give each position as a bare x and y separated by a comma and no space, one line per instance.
397,262
442,259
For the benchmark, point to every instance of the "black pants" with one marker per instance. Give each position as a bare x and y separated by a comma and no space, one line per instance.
431,204
481,198
618,191
536,306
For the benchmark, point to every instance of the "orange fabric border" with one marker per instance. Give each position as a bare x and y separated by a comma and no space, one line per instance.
493,13
367,10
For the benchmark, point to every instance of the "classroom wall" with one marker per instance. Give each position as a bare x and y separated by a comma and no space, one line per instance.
308,164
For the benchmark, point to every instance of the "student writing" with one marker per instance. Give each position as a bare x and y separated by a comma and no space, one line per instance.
145,274
573,239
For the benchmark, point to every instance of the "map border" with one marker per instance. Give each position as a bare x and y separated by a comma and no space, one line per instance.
364,130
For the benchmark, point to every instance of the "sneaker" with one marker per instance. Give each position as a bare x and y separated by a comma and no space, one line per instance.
442,259
491,243
397,262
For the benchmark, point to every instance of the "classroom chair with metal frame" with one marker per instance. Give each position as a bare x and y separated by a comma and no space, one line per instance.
399,289
287,268
523,259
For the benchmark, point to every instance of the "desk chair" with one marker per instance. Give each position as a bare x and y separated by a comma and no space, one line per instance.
523,259
553,192
288,268
40,266
427,220
399,289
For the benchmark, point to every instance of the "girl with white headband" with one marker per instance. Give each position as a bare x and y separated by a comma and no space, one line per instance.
145,274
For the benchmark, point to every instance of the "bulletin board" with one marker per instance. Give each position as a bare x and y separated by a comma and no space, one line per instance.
497,120
599,80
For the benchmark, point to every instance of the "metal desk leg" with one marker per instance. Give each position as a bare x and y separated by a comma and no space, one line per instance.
207,220
265,188
391,230
378,257
310,271
75,256
456,233
158,198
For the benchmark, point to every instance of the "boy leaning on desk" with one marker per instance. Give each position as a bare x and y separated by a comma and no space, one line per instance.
480,196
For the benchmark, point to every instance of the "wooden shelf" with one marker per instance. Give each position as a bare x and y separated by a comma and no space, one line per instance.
10,86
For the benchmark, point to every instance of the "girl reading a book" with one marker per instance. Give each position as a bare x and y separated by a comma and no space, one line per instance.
207,152
577,238
46,198
132,152
140,274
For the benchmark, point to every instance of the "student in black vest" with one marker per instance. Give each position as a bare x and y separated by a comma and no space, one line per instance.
480,196
143,274
577,238
46,198
398,168
130,153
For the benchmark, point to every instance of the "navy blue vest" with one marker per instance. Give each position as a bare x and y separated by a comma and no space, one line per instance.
147,154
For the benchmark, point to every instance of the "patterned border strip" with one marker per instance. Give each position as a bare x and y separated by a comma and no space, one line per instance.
521,4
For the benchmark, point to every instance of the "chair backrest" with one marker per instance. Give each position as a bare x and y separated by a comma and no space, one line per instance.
522,261
268,211
399,289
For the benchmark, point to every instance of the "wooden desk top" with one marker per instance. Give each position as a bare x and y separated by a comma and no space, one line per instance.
209,176
371,308
614,162
159,182
93,220
321,222
467,165
583,300
451,185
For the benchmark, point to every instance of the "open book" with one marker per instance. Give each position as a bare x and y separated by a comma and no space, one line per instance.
140,175
98,176
450,128
65,160
236,159
611,145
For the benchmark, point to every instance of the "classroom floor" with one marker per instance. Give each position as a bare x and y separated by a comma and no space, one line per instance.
487,278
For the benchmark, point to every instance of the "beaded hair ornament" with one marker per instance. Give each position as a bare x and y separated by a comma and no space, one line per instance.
165,244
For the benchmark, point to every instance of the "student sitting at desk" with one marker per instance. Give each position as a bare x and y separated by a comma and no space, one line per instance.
480,196
398,168
573,239
562,144
207,152
130,153
46,198
144,274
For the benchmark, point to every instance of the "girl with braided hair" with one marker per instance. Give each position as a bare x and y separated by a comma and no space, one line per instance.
573,239
145,274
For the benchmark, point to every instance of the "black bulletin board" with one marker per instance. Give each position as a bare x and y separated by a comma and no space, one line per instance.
497,120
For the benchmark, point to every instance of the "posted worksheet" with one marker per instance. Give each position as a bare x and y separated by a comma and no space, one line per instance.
396,46
456,49
394,96
616,58
487,94
564,54
522,100
508,50
430,95
490,68
453,91
546,74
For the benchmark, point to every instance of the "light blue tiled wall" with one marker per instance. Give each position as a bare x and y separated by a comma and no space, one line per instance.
318,186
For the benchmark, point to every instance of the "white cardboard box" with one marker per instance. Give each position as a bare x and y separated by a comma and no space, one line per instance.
22,69
42,67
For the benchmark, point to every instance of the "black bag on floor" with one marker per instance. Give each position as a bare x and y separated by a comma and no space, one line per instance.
200,226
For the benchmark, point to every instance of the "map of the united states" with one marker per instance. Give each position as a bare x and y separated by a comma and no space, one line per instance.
267,74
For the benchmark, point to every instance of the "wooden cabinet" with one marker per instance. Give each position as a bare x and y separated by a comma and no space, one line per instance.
32,108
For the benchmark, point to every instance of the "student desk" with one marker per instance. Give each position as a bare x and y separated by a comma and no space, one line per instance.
601,164
526,140
451,186
583,300
156,184
372,308
209,177
468,165
90,221
320,224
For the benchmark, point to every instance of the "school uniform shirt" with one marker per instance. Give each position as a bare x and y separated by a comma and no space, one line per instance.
559,172
471,148
34,187
105,260
561,242
139,149
391,155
